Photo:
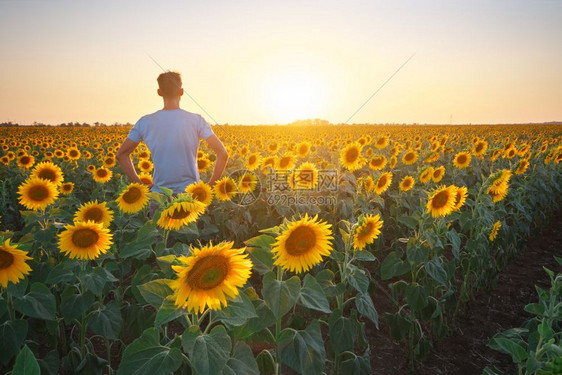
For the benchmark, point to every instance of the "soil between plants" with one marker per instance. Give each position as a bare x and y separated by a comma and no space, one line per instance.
465,350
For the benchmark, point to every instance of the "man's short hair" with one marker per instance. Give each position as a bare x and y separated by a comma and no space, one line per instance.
169,84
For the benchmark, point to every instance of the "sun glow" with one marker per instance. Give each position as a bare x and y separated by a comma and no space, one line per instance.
293,94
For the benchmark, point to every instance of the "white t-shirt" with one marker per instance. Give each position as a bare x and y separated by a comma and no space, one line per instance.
172,136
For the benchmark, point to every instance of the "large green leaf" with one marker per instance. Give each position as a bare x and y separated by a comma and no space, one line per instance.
168,311
416,296
312,295
280,296
208,353
238,311
12,334
342,334
507,346
155,291
393,266
140,247
434,268
358,279
145,355
303,351
353,364
242,361
259,248
26,364
39,303
74,304
365,306
107,321
95,280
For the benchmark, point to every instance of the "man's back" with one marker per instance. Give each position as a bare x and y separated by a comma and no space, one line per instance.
172,136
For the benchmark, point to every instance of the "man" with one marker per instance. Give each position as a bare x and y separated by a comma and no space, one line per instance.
172,136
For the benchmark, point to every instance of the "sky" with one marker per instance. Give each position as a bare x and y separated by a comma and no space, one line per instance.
265,62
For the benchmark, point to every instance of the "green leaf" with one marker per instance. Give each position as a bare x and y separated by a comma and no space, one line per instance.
416,296
353,364
155,291
434,268
208,353
264,319
303,351
145,355
12,334
399,326
312,295
107,321
26,364
408,221
453,236
49,364
39,303
95,280
242,361
358,279
393,266
342,334
62,272
280,296
140,248
19,289
238,311
545,330
74,304
259,249
364,256
507,346
168,311
365,306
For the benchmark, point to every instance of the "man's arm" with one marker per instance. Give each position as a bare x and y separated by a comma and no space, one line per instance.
125,161
222,157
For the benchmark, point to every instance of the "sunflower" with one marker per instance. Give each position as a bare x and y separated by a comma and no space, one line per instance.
438,174
522,167
382,142
85,240
442,201
37,193
253,161
286,162
73,153
426,174
225,189
109,162
181,212
480,148
393,161
495,229
25,161
5,160
203,164
500,186
407,183
377,162
209,276
201,192
145,178
367,231
410,157
302,244
67,187
460,198
145,165
48,171
369,184
462,160
247,182
133,198
13,266
304,177
383,183
303,148
102,175
97,212
350,157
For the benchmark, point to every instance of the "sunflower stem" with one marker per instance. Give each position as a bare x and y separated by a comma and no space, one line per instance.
11,306
83,335
166,233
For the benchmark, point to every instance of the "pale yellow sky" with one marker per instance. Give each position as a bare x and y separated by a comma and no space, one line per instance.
252,62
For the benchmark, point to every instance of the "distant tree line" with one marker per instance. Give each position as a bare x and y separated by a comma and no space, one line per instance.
71,124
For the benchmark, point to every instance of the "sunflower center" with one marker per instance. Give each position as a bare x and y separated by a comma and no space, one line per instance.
6,259
199,194
208,272
407,183
409,156
38,193
364,232
461,159
95,214
101,173
381,182
441,199
132,195
284,162
47,174
179,213
73,153
227,188
25,159
300,241
85,237
252,159
352,155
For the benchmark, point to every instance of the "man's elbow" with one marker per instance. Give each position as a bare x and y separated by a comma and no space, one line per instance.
223,154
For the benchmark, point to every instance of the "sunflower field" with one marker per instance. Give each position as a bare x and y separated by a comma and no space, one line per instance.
314,238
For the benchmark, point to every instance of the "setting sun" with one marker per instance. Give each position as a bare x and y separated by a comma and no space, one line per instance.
293,94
